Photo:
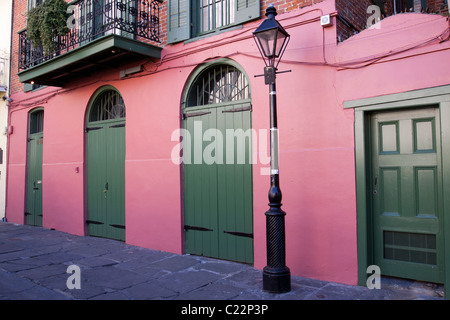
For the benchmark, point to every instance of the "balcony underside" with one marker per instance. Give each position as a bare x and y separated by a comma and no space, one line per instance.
110,52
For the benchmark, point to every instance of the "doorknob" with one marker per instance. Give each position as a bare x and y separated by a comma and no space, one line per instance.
35,184
106,189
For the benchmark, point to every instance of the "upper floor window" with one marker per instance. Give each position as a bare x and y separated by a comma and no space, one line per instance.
193,18
34,3
420,6
214,14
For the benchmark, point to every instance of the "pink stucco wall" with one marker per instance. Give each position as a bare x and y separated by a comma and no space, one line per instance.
413,51
317,167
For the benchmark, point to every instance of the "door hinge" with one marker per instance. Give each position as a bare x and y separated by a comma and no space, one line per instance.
247,108
92,128
94,222
195,114
117,226
118,125
186,227
28,214
240,234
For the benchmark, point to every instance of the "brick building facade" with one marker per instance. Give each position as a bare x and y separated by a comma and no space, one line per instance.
351,18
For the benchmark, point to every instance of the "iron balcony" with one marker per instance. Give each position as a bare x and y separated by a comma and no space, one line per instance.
103,34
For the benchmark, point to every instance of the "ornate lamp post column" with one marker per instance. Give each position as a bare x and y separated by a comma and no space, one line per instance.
272,39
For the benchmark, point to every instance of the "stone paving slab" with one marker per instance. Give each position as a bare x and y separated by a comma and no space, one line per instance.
34,262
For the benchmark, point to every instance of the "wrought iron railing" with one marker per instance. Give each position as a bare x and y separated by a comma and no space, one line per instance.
92,19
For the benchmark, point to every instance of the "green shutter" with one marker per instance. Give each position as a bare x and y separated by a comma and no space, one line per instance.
247,10
179,21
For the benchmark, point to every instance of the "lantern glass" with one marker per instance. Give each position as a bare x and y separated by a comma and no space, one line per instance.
271,38
280,41
267,41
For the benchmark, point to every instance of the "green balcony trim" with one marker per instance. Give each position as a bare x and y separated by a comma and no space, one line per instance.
108,42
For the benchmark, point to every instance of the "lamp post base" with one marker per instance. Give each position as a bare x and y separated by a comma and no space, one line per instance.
276,280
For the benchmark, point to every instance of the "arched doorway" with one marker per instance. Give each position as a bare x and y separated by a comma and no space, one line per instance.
105,165
33,212
217,170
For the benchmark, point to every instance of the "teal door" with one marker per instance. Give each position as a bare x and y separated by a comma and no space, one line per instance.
407,194
217,170
33,213
105,167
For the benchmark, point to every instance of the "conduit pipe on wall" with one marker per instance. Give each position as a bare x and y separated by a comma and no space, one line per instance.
356,64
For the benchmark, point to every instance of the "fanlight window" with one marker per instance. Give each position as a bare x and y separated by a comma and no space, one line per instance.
218,84
37,121
107,106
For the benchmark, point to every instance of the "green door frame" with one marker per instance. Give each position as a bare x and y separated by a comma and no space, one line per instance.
213,108
116,229
31,200
431,97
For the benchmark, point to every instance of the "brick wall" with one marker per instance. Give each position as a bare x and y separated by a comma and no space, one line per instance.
352,17
433,6
437,6
284,6
19,23
163,23
352,14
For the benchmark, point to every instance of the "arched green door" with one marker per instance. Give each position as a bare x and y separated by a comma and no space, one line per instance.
105,166
217,170
33,213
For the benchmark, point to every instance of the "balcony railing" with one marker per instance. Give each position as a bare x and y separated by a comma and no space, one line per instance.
92,19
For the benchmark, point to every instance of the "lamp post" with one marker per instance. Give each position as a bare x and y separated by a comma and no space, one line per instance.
271,40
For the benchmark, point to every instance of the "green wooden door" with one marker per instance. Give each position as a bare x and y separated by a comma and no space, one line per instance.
33,213
217,175
105,168
407,194
235,184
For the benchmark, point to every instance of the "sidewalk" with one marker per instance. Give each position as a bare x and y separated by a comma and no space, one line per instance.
34,263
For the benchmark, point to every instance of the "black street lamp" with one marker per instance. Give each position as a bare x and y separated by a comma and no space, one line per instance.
272,39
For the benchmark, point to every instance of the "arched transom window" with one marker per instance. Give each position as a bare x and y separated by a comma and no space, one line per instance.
108,105
37,121
218,84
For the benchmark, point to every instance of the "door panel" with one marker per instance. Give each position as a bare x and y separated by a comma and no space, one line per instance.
235,206
115,173
218,183
33,213
96,181
106,180
407,193
200,190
